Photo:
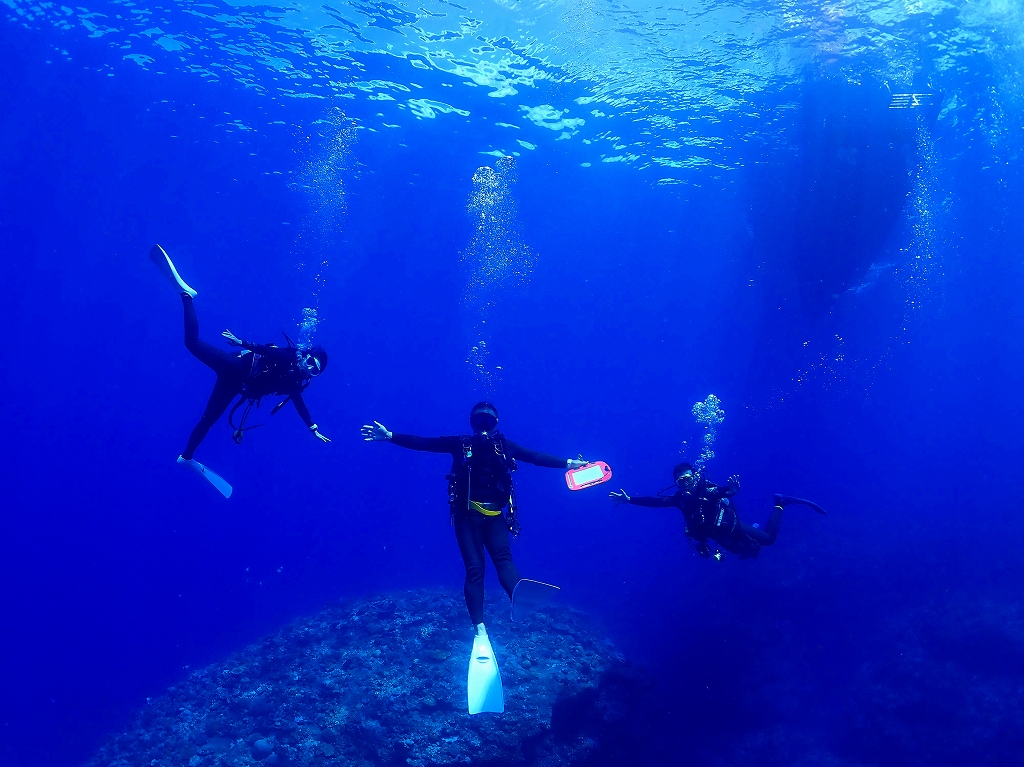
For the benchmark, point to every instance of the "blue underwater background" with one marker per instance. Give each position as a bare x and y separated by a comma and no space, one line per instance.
707,197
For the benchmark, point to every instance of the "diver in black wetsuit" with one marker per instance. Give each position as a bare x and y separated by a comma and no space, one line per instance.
260,370
710,515
479,491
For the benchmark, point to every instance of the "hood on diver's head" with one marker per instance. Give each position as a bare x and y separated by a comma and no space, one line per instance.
680,469
318,364
483,416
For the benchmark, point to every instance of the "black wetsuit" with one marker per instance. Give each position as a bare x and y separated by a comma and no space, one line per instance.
487,476
710,514
260,372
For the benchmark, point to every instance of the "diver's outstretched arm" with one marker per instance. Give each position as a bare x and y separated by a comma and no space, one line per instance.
512,450
520,453
281,353
378,432
451,445
728,490
234,340
651,501
303,411
733,483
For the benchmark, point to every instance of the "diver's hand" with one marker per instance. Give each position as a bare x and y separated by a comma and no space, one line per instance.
375,433
316,433
575,463
619,497
232,338
735,480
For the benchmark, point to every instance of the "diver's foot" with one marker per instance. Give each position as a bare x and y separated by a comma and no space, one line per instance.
163,262
481,630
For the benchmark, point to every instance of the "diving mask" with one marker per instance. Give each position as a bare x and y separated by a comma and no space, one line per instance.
312,365
483,422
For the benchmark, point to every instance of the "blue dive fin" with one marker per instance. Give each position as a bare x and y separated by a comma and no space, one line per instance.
163,262
210,476
529,595
786,500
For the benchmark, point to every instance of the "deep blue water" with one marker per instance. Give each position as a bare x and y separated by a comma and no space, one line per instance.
746,217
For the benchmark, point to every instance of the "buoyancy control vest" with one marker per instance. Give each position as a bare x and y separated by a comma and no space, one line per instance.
269,374
481,480
281,374
708,515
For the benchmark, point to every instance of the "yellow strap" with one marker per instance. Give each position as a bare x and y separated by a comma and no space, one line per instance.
484,510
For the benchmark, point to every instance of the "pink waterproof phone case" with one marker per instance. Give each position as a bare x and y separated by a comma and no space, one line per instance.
588,476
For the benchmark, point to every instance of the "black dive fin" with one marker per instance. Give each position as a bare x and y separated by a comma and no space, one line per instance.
785,500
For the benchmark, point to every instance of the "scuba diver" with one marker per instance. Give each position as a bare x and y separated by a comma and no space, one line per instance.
710,515
258,371
479,491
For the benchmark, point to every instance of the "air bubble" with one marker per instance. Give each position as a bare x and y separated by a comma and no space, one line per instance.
496,258
708,414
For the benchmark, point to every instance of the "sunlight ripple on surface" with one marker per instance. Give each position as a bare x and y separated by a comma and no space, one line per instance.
641,83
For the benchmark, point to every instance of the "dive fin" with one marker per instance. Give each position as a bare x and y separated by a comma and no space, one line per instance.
484,682
529,595
785,500
163,262
210,476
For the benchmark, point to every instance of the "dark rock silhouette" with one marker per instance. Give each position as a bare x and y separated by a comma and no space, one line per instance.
823,208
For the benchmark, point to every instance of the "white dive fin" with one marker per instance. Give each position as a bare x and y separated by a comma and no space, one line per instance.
484,682
528,595
163,262
210,476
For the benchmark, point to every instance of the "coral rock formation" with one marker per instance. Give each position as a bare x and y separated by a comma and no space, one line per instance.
382,682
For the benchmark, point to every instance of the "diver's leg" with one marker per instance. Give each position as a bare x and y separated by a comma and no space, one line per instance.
767,535
774,523
221,361
471,546
224,391
496,539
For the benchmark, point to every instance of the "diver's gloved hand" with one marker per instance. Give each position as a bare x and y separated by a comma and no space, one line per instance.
316,433
735,481
232,338
375,433
619,497
575,463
